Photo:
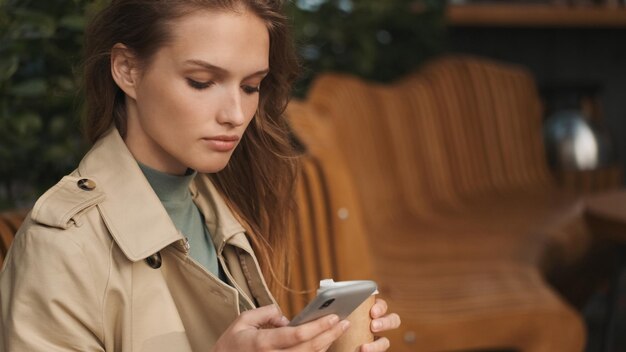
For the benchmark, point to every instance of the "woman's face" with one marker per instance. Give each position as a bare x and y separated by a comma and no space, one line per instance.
194,100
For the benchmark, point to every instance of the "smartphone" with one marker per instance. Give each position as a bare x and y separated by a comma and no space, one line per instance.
341,299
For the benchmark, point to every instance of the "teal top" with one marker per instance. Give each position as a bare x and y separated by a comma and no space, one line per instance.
173,191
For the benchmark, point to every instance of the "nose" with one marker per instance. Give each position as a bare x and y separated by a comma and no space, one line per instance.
231,110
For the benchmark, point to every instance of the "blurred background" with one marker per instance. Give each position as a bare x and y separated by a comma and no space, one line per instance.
573,52
573,49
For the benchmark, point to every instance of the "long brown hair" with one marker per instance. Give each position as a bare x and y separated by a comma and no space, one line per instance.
258,181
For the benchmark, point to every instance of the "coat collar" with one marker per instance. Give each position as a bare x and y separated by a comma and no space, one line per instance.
131,210
133,213
219,219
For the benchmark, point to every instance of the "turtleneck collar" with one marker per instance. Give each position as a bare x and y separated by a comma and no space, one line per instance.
169,188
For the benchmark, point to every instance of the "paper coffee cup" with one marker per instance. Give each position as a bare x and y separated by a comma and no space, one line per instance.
359,332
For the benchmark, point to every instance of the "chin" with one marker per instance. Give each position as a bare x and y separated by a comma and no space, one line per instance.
210,167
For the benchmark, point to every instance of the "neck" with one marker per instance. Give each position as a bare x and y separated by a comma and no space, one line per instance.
144,149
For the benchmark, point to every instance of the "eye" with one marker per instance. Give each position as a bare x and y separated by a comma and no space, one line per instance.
199,85
250,89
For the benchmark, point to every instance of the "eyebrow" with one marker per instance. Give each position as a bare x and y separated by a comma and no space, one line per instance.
223,72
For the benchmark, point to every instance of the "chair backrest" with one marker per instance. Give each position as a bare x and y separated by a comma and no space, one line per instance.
10,222
488,119
355,110
459,126
329,240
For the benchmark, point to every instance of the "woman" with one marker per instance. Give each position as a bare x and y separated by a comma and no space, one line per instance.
151,243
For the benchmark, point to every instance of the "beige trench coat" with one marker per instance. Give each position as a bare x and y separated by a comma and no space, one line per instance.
76,278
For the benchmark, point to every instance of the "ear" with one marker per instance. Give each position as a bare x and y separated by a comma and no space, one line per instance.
124,69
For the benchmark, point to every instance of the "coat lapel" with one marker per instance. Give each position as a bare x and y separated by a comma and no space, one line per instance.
132,212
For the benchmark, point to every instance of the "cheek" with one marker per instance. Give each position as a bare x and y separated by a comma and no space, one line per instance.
250,107
155,99
173,105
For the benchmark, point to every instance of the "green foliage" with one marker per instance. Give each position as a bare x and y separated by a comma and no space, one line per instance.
40,44
375,39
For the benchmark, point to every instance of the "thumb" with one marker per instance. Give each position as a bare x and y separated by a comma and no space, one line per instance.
264,317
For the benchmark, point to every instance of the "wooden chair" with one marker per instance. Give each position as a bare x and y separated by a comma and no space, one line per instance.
462,215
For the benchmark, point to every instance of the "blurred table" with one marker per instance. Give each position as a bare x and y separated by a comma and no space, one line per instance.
591,181
606,214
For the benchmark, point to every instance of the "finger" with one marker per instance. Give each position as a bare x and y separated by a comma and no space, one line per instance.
388,322
290,336
282,321
262,317
379,308
323,341
382,344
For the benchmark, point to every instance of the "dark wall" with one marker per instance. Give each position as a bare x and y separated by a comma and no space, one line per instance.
591,55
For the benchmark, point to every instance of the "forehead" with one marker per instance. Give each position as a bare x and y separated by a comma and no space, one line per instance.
235,41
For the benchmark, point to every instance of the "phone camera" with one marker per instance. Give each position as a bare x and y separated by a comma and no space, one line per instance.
327,303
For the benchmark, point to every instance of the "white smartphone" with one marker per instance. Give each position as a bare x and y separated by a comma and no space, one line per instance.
340,299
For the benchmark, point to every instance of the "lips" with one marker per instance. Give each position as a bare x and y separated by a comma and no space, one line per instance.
221,143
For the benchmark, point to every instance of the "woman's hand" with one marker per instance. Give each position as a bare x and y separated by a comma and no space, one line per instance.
381,321
265,329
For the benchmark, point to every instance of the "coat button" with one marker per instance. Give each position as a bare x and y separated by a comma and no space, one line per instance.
154,260
86,184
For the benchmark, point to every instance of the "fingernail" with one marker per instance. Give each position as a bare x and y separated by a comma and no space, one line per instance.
284,319
376,325
333,319
345,325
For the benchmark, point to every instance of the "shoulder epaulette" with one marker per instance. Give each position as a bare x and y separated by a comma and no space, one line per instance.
69,197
